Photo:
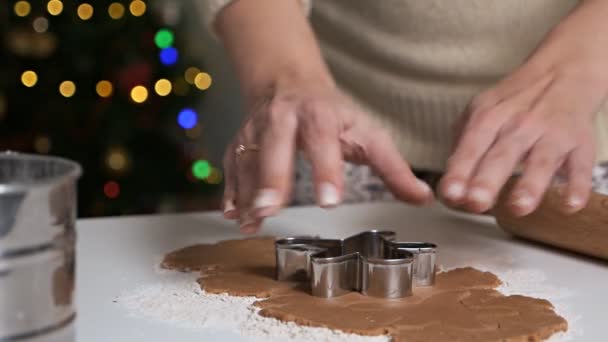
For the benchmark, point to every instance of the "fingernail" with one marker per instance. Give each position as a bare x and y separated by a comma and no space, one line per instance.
455,191
266,198
229,206
328,195
480,196
423,186
523,200
574,202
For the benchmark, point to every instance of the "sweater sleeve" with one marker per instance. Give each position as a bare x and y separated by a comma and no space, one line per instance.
210,9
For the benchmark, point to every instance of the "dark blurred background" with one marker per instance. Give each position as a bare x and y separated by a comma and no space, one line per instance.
120,87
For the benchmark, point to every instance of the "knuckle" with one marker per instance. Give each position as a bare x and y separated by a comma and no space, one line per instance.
484,100
544,162
502,151
280,114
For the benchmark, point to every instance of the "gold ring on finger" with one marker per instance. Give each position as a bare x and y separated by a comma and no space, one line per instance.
242,149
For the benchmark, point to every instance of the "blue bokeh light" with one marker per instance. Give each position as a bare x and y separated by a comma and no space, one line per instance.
187,118
169,56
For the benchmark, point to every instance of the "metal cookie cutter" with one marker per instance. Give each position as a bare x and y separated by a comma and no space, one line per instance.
370,262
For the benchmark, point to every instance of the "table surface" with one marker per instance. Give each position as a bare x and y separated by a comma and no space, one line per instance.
119,254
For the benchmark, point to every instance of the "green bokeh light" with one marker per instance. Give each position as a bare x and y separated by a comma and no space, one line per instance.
201,169
163,38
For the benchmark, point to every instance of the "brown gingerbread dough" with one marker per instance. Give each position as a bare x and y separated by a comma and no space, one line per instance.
462,306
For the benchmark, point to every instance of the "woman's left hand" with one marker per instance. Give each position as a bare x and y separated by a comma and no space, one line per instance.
542,116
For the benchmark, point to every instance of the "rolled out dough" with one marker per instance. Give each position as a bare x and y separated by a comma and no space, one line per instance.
462,306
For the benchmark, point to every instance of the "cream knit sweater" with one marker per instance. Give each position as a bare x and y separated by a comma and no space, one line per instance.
416,64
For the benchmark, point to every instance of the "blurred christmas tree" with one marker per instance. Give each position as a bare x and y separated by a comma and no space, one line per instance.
104,83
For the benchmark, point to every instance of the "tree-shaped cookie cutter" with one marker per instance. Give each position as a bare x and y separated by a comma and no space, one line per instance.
371,262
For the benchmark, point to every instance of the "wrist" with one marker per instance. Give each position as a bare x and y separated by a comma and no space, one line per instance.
267,81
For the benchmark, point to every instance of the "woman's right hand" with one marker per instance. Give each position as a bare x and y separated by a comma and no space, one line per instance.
312,116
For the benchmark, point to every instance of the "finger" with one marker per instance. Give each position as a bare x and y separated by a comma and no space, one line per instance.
481,133
247,177
230,191
276,158
497,166
382,155
540,168
579,168
475,141
319,140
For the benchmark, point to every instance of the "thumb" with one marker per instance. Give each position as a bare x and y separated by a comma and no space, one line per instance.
383,157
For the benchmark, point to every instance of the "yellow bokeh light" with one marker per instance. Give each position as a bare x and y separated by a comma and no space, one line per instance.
180,87
54,7
202,81
42,144
104,88
67,88
139,94
117,160
85,11
190,74
137,8
215,177
29,78
22,8
163,87
116,10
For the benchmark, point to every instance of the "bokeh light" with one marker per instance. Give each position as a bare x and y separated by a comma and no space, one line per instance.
67,88
190,74
85,11
40,24
203,81
116,10
54,7
180,87
22,8
29,78
163,38
111,189
137,8
104,88
168,56
163,87
187,118
139,94
117,159
215,177
201,169
42,144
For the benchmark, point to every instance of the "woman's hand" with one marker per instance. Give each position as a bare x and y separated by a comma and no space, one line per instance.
327,127
540,116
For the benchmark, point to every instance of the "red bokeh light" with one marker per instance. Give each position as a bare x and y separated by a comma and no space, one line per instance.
111,189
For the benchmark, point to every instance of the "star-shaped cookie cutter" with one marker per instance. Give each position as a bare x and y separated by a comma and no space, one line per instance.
371,262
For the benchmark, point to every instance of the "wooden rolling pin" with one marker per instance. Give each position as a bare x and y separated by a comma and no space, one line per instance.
585,232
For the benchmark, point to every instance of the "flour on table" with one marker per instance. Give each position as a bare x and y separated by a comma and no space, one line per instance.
178,300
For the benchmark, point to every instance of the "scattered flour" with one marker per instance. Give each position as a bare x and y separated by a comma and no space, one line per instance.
178,300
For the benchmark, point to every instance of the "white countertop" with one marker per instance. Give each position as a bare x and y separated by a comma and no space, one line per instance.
118,254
